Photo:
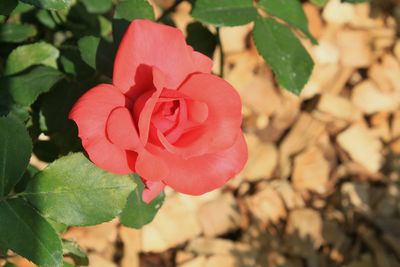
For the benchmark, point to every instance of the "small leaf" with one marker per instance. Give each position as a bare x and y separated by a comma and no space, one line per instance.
50,4
97,6
16,33
284,53
33,54
26,86
46,19
201,39
72,250
10,265
97,53
134,9
7,6
224,12
128,10
15,151
291,11
137,213
73,191
25,232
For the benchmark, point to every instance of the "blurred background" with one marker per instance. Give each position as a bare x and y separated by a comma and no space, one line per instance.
321,187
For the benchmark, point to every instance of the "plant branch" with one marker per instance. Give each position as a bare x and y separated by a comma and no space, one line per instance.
222,55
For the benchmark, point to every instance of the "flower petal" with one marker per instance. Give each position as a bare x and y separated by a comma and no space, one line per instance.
146,43
150,166
219,131
151,190
91,113
198,175
121,130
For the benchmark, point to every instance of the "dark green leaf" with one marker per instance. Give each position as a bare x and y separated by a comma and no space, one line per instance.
284,53
25,87
97,53
15,151
22,8
28,175
25,232
46,19
50,4
10,265
16,33
32,54
73,191
72,63
67,264
201,39
128,10
291,11
72,250
97,6
7,6
137,213
224,12
134,9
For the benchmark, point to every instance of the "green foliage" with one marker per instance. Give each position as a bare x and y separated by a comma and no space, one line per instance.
40,79
16,33
137,213
26,56
15,151
7,6
224,12
22,229
73,191
284,53
291,11
72,250
50,4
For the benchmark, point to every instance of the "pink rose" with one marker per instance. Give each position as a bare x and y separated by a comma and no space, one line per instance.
165,116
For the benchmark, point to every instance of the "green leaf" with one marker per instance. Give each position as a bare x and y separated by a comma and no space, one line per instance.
10,265
25,232
97,53
50,4
46,19
134,9
73,191
291,11
224,12
16,33
72,250
25,56
137,213
15,152
97,6
7,6
284,53
25,87
320,3
67,264
128,10
201,39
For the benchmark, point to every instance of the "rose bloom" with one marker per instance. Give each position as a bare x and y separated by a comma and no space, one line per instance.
165,117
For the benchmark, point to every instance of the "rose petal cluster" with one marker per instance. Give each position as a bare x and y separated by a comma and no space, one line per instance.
165,117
